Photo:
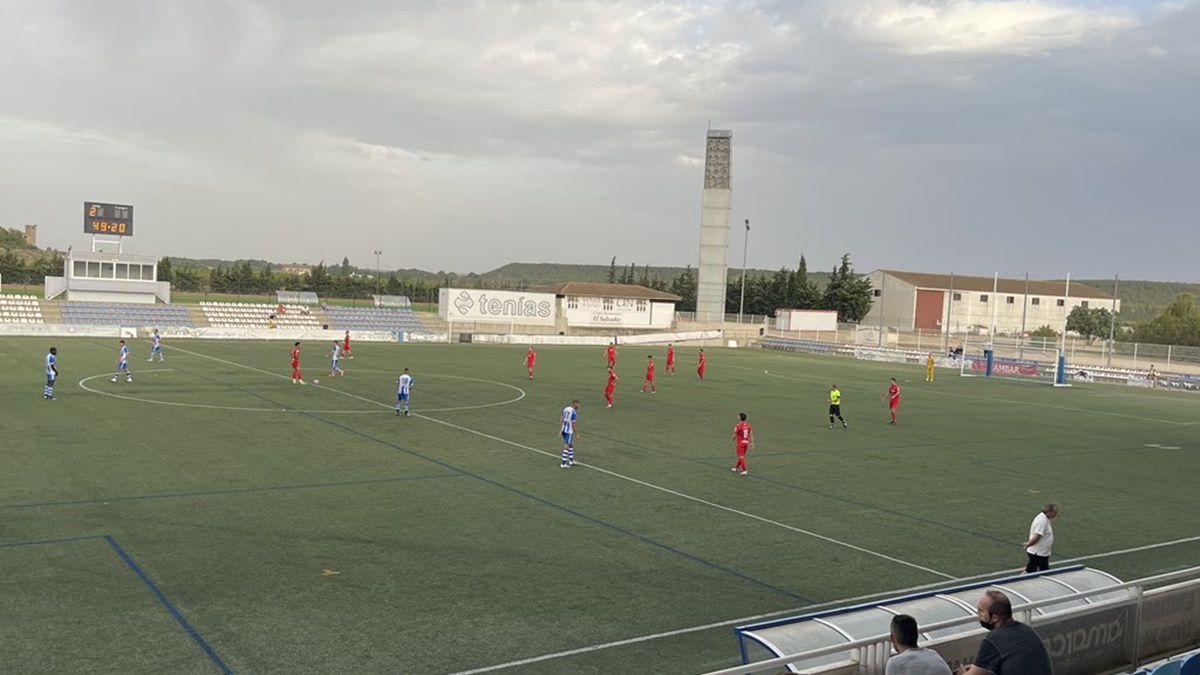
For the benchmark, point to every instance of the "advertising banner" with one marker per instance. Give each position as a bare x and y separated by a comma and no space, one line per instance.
524,309
1005,367
617,312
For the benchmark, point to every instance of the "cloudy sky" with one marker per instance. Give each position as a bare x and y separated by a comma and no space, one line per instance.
1040,136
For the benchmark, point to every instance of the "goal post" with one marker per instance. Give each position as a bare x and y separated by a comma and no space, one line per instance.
1010,359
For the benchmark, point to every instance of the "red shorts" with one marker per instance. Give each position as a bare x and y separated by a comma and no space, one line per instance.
649,378
895,403
742,448
608,391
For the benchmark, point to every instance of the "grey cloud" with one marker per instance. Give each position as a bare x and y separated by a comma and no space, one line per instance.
554,131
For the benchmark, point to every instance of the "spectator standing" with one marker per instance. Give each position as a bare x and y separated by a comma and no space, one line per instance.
1041,539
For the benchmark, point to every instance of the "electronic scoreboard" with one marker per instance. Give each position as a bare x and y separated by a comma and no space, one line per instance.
112,219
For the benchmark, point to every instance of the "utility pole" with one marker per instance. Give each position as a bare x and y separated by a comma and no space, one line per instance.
745,245
377,254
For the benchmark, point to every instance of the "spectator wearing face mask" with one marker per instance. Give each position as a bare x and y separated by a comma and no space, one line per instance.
1010,647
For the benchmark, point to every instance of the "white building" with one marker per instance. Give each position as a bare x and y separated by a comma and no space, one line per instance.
109,277
594,305
968,304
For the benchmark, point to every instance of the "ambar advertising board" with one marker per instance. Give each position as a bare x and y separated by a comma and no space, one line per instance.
526,309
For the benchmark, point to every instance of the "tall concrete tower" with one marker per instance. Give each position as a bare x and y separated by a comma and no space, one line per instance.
716,202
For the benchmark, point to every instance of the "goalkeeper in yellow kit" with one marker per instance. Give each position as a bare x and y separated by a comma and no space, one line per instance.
929,368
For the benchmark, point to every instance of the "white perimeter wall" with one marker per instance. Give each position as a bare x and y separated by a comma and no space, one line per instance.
806,319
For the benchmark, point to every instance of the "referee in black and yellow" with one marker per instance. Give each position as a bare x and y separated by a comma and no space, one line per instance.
835,405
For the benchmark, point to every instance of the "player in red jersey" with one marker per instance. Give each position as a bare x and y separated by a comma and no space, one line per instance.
743,438
670,369
893,398
649,376
346,346
530,359
610,387
297,376
702,365
612,355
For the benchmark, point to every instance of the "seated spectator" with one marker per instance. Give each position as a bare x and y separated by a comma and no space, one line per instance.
911,659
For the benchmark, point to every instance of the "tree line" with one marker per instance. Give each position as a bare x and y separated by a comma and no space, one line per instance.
847,293
1178,324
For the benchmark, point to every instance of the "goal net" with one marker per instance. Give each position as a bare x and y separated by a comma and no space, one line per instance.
1011,360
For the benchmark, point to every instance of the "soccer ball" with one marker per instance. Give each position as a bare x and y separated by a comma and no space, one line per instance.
316,382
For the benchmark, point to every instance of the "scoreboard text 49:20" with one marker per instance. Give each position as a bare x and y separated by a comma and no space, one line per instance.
101,218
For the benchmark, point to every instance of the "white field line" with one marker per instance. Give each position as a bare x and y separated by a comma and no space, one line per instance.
806,609
1027,403
83,385
520,394
698,500
1123,551
652,486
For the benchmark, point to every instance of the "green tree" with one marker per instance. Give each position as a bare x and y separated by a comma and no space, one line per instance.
684,286
612,271
12,268
847,293
806,294
1044,332
345,269
48,264
1178,325
319,281
1091,323
165,271
12,238
187,279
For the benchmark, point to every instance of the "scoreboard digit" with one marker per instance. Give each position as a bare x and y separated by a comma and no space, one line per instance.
113,219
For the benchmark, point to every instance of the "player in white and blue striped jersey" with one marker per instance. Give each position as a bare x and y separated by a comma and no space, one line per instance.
404,385
123,363
156,348
334,355
51,374
570,422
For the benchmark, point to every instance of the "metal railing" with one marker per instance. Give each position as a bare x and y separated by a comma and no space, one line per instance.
871,654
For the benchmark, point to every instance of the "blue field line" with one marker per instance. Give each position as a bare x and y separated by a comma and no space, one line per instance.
112,543
196,637
642,538
570,511
709,461
229,491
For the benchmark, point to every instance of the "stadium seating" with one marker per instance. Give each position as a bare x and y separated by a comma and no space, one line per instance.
20,309
1191,666
124,314
257,315
374,319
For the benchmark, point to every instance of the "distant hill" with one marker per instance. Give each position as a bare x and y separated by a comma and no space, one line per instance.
539,274
1143,300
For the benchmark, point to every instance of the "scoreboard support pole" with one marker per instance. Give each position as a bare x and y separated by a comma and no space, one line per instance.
98,240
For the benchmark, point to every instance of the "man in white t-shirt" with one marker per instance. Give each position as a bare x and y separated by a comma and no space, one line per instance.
1041,539
911,659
